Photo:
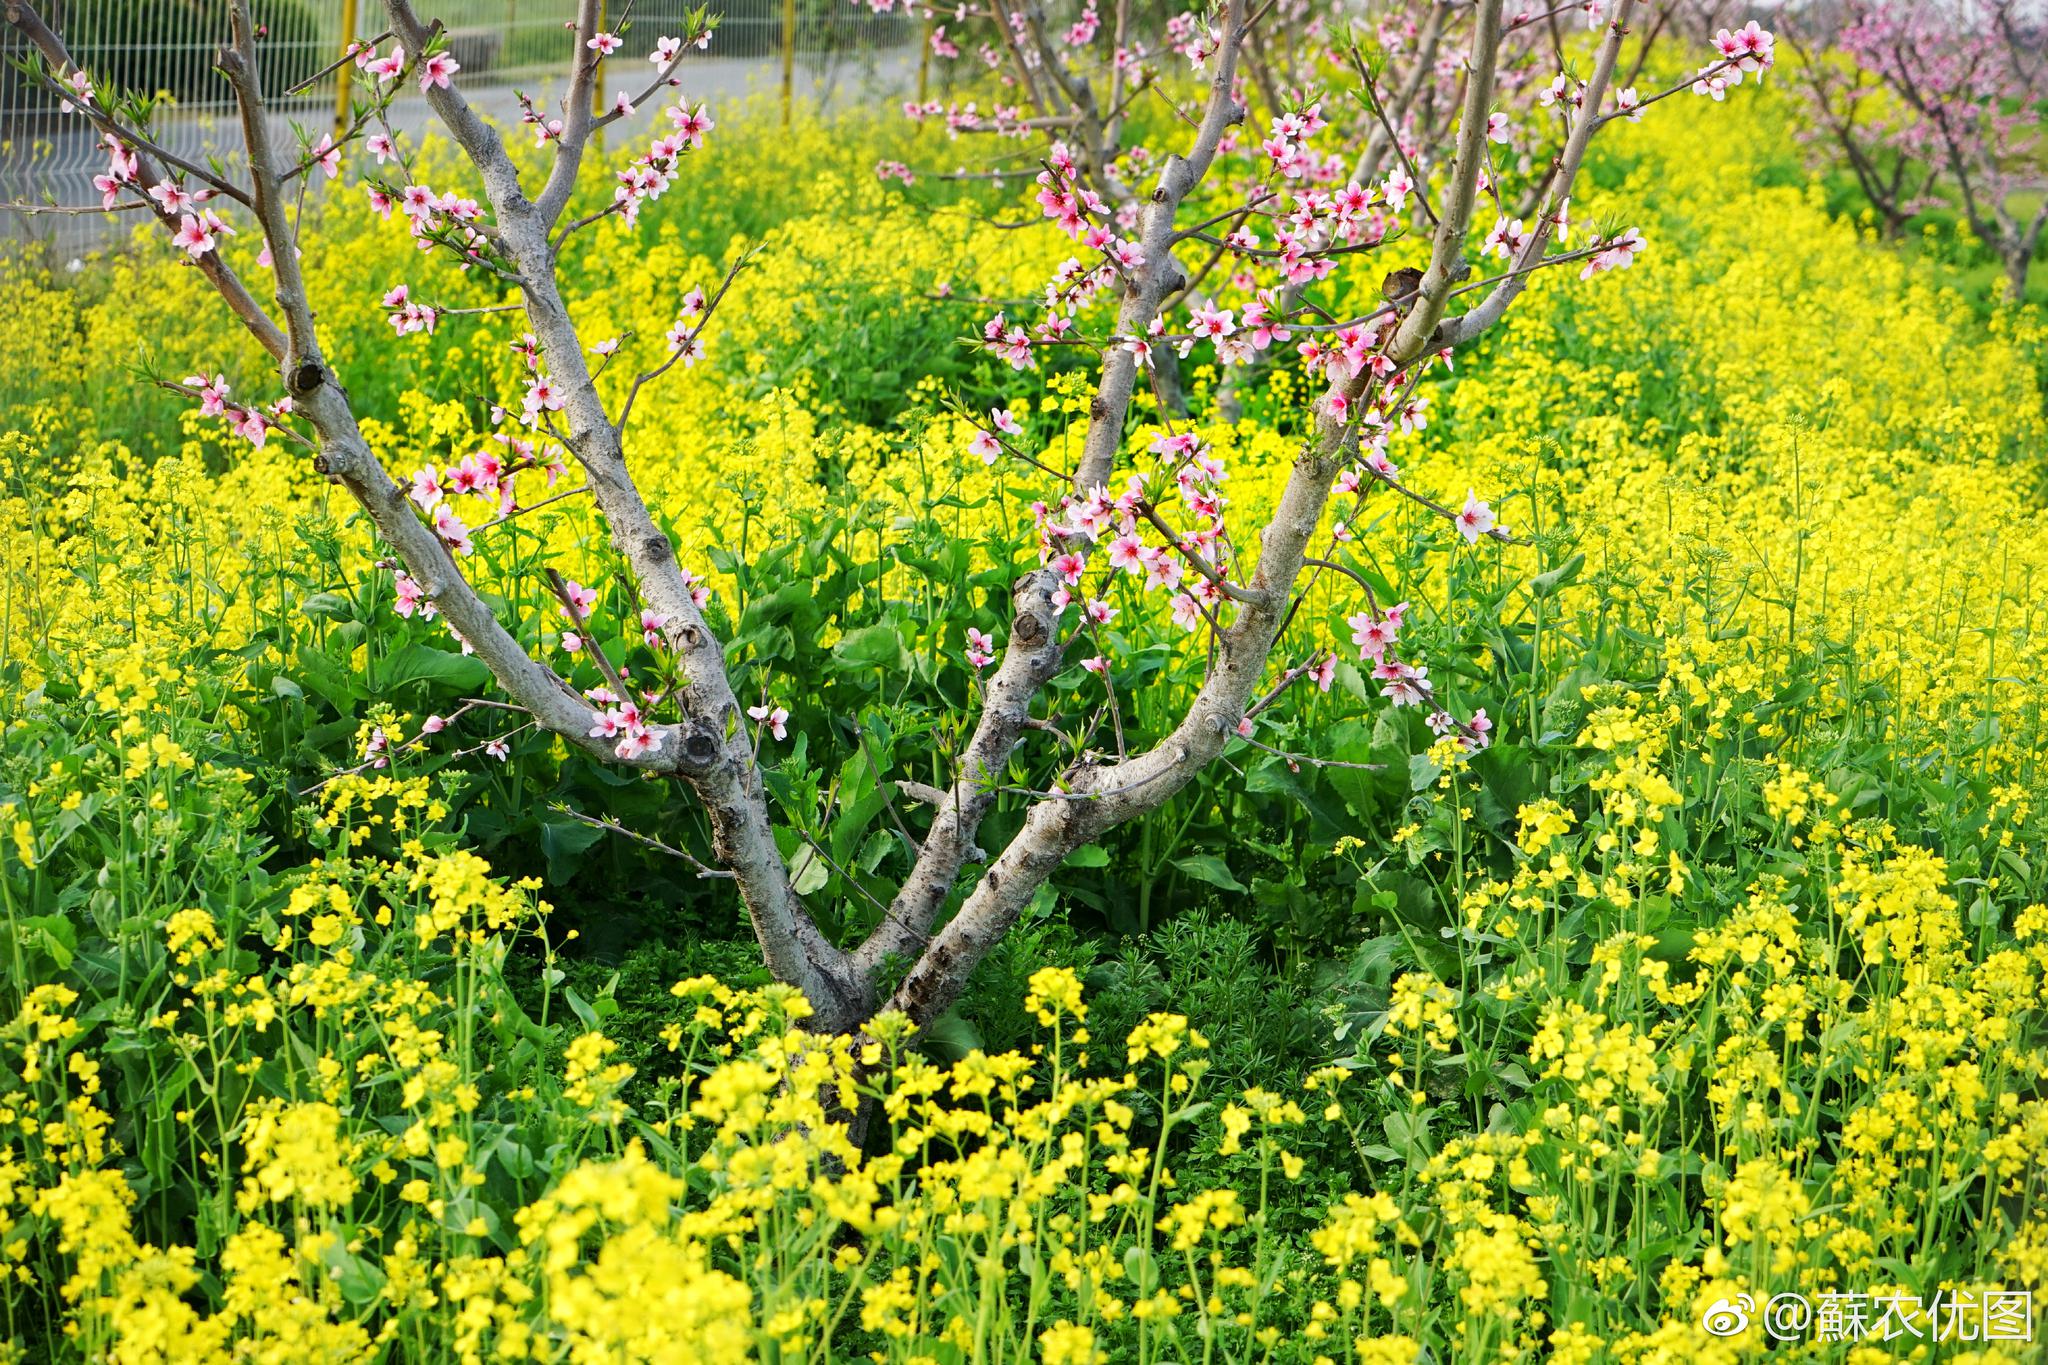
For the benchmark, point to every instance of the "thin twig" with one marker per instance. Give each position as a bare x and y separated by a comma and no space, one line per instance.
519,512
844,875
1296,760
1372,101
328,70
704,870
560,587
658,371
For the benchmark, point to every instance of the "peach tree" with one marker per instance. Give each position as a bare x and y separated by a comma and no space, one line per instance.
1209,239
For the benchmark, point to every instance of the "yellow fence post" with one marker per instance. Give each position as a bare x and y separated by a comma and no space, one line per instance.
788,57
348,35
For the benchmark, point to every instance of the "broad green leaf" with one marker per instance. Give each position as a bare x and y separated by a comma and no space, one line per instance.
443,668
1207,867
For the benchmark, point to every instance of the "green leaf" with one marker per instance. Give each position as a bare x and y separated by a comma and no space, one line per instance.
876,646
359,1281
564,842
335,683
1089,855
54,935
1271,776
1409,1133
1043,902
807,871
857,815
461,1211
1547,584
514,1158
424,663
331,606
163,1098
581,1008
1207,867
950,1037
874,850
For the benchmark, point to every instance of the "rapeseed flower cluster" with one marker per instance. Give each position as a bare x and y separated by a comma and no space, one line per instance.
384,1180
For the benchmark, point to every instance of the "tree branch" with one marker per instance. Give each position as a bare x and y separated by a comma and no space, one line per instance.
1034,653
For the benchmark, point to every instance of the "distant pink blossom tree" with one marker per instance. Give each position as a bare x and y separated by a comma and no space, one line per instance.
1942,103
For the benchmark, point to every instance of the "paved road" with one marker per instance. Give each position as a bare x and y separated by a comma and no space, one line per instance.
57,158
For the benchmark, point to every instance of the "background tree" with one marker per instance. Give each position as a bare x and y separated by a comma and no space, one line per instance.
1931,105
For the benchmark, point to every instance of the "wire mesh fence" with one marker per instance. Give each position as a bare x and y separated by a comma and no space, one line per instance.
826,51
